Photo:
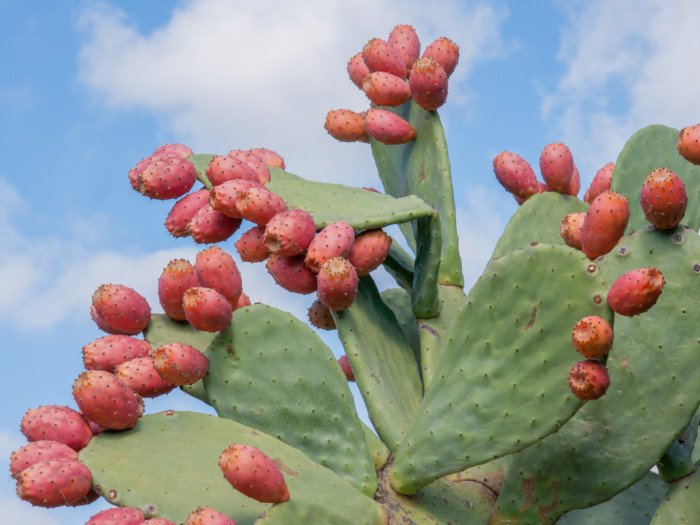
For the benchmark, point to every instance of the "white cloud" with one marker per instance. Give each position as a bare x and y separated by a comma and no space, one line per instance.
13,510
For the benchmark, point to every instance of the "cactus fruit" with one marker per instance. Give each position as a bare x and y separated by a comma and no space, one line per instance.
107,352
335,240
557,167
604,224
209,226
515,174
118,309
320,316
663,198
337,284
428,83
208,516
251,245
689,143
370,250
346,125
141,376
54,482
223,197
269,157
243,301
289,233
601,182
380,56
388,128
404,39
57,423
178,276
357,69
180,364
262,170
385,89
172,150
636,291
223,168
216,269
136,171
292,274
253,473
206,309
159,521
259,205
119,516
574,183
445,52
36,451
346,368
592,337
107,400
589,380
571,227
167,178
184,211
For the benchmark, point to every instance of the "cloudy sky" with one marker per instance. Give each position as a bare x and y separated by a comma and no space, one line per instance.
89,88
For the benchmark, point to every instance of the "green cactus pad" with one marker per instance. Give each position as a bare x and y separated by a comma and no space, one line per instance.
425,299
650,148
399,264
537,220
380,454
510,350
491,474
400,303
358,207
168,465
271,371
614,441
201,162
682,503
677,462
382,360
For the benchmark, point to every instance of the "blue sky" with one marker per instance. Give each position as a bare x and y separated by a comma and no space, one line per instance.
89,88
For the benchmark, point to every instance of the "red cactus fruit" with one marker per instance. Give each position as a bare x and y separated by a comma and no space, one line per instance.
223,197
118,516
357,69
388,128
259,205
571,227
136,171
404,39
445,52
159,521
262,170
216,269
166,178
604,224
337,284
592,337
636,291
335,240
574,183
253,473
369,251
224,167
663,198
206,309
54,482
289,233
36,451
589,380
57,423
141,376
118,309
178,276
172,150
292,274
243,301
557,167
380,56
208,516
689,143
180,364
385,89
183,211
515,174
107,352
346,368
320,316
107,400
346,125
428,83
601,182
209,226
251,245
269,157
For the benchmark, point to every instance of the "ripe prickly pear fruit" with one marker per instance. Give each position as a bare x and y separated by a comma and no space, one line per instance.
320,316
180,364
601,182
574,183
118,516
183,211
118,309
380,56
292,274
428,83
388,128
385,89
516,175
663,198
167,178
604,224
136,171
689,143
357,69
253,473
107,400
636,291
216,269
177,277
206,309
592,337
369,251
589,380
172,150
243,301
346,125
557,167
251,245
269,157
208,516
335,240
262,170
259,205
209,226
223,168
346,368
571,227
107,352
289,233
445,52
141,376
57,423
54,482
404,39
223,197
337,284
36,451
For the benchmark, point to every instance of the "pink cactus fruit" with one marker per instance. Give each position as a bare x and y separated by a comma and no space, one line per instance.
404,39
337,284
292,274
167,178
243,301
604,224
346,125
574,183
253,473
209,226
172,150
601,182
262,170
141,376
223,197
663,198
388,128
107,400
269,157
251,245
357,69
689,143
177,277
385,89
208,516
216,269
636,291
445,52
428,83
91,497
118,516
289,233
320,316
180,364
571,227
183,211
54,482
36,451
592,337
206,309
223,168
346,368
515,174
57,423
118,309
107,352
259,205
335,240
136,171
379,55
589,380
369,251
159,521
557,167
